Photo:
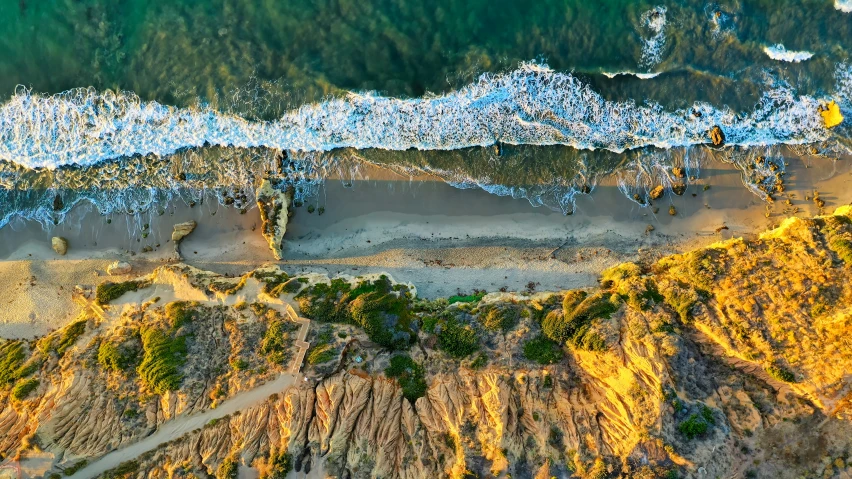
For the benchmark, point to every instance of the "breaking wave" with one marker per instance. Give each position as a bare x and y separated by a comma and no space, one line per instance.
779,52
843,5
531,105
654,20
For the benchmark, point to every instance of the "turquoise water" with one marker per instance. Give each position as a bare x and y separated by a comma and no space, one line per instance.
221,88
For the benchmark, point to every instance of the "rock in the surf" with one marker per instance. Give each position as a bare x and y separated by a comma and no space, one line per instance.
119,268
274,207
831,114
657,192
717,136
60,245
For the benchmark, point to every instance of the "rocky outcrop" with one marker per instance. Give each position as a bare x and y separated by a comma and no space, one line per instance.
274,207
717,136
59,245
831,114
119,268
181,231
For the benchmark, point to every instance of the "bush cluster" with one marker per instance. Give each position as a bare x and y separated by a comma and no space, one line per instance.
542,350
409,375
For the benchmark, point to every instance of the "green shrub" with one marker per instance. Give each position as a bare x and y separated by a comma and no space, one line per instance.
409,375
227,469
164,353
180,313
276,343
24,388
321,353
542,350
70,470
499,317
125,470
573,323
694,426
116,357
456,339
385,317
480,362
12,357
109,291
781,374
69,336
843,248
279,466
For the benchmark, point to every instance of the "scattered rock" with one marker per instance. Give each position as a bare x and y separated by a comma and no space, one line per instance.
118,268
59,244
274,206
672,210
679,172
717,136
657,192
648,229
831,114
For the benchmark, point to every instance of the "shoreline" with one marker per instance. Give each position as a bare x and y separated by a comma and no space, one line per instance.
421,230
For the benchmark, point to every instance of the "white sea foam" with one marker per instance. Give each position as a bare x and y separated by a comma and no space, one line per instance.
779,52
654,20
642,76
531,105
843,5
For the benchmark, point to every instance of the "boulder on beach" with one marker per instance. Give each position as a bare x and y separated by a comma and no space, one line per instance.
59,244
119,267
274,205
181,230
657,192
717,136
831,115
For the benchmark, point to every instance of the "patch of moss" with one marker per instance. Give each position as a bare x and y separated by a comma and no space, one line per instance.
23,389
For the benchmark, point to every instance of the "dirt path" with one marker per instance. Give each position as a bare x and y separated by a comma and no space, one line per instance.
183,424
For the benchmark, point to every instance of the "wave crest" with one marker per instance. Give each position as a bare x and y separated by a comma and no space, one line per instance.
531,105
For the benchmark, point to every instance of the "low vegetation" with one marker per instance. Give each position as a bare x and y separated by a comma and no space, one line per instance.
23,388
381,309
164,350
108,291
409,375
543,350
276,344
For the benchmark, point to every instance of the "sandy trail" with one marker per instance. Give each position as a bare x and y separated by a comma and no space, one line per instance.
184,424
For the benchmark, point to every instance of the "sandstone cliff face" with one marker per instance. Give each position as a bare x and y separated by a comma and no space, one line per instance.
726,362
92,397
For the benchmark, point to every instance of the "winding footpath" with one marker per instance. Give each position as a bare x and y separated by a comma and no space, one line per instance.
181,425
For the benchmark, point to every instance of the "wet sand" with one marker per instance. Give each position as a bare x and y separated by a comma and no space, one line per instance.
442,239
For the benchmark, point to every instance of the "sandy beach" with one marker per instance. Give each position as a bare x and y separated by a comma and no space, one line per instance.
421,230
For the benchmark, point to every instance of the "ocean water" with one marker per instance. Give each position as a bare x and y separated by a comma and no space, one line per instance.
129,106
